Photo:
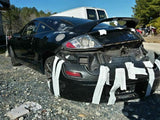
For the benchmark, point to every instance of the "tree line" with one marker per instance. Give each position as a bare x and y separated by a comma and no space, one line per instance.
15,18
148,13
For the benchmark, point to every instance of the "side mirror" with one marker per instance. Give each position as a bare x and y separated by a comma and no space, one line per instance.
16,35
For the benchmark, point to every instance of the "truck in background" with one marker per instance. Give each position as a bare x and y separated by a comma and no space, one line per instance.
85,13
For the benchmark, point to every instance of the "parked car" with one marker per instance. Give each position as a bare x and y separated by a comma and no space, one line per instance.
85,13
139,31
79,49
2,42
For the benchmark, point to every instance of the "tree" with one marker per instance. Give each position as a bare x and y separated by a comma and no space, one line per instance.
146,10
16,18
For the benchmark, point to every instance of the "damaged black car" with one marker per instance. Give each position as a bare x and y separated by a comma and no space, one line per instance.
88,60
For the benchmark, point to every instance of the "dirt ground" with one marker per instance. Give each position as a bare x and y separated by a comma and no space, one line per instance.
22,84
152,39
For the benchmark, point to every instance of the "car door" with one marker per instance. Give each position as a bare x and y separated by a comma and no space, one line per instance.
27,43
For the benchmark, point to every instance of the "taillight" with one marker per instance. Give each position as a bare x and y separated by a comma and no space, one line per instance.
74,74
82,42
69,45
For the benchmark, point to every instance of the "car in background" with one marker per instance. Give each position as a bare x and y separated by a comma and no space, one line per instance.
84,13
84,46
2,42
139,31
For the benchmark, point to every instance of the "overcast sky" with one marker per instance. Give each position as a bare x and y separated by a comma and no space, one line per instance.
114,8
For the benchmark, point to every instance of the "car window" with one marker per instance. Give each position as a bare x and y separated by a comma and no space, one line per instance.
91,14
43,28
101,14
30,29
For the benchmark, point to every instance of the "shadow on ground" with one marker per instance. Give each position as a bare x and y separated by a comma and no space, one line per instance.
145,109
2,49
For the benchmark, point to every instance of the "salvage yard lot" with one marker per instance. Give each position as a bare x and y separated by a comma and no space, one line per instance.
22,84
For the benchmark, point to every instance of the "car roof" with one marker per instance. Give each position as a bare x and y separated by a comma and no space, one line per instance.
70,20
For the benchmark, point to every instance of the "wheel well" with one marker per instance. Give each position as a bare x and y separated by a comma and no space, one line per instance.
44,58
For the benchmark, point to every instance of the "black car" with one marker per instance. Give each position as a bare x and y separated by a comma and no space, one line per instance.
88,60
2,42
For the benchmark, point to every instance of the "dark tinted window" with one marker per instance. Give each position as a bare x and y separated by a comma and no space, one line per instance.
43,28
101,14
91,14
54,22
30,28
59,24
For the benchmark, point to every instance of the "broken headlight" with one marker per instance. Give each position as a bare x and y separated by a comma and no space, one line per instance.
82,42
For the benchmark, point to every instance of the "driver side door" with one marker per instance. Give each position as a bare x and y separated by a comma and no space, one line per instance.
26,43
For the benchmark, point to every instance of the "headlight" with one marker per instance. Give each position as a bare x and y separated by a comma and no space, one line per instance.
81,42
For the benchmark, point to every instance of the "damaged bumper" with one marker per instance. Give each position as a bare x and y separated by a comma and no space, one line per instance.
80,74
86,84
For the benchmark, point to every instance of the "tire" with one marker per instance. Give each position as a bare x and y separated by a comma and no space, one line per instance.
48,72
48,65
13,59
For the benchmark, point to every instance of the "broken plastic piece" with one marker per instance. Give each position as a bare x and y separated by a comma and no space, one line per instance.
23,109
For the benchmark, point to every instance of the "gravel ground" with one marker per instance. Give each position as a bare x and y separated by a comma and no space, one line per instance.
22,84
152,39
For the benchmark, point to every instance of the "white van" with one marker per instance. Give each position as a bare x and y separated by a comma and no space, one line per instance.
85,13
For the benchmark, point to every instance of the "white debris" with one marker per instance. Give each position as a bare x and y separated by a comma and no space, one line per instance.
102,32
23,109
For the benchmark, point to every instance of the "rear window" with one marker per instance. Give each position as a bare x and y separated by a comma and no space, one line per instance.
91,14
101,14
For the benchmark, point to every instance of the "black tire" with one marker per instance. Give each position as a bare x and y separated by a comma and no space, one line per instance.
48,71
48,65
13,59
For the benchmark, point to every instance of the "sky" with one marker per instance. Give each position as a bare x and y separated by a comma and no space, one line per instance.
114,8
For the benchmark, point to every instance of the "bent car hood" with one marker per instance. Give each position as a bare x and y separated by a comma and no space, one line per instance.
87,27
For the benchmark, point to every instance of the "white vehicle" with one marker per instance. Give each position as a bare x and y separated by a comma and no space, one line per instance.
85,13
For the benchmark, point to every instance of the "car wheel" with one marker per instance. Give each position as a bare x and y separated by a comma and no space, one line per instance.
13,59
48,72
